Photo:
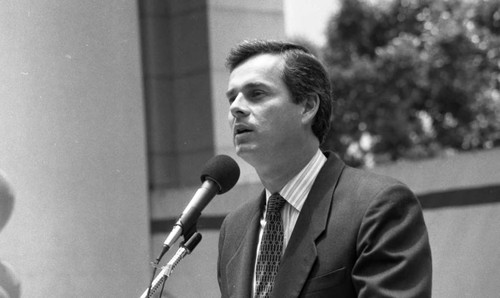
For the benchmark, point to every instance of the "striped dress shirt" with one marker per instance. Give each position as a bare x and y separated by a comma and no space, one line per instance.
295,193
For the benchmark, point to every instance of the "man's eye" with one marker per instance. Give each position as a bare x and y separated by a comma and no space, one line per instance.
257,93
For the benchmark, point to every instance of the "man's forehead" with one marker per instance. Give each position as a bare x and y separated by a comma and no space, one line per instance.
260,69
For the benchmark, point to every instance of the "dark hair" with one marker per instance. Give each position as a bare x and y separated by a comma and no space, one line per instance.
303,75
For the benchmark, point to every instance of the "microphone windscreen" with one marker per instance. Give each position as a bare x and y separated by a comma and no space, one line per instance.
222,170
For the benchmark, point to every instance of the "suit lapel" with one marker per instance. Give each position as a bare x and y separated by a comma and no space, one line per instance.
300,253
240,268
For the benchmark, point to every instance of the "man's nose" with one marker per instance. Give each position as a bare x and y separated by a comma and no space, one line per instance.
239,107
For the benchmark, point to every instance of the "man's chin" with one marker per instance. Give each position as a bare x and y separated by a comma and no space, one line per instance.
242,151
245,151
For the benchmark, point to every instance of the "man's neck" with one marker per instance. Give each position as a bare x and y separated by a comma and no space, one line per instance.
276,176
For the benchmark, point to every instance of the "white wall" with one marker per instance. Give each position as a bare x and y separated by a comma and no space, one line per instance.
72,143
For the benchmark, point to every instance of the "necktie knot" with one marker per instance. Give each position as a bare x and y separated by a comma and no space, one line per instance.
275,203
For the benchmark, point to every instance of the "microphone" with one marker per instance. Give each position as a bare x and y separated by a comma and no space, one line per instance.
183,250
218,176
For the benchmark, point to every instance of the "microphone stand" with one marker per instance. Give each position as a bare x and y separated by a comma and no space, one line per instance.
183,250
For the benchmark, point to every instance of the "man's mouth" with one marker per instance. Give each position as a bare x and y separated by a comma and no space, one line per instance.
241,131
238,130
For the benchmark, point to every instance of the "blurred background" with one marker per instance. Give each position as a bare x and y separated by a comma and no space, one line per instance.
109,109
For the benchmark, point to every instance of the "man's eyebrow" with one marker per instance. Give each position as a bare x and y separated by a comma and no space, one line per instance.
255,85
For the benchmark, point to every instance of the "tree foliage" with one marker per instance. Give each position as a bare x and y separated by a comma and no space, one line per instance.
413,78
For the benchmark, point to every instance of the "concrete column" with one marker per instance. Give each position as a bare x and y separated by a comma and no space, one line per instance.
72,142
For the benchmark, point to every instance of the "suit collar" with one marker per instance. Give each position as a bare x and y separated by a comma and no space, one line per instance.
300,253
240,268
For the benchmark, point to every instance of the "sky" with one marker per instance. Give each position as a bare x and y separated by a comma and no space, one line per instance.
308,19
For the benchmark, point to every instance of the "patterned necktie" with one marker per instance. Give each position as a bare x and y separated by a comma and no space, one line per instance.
271,247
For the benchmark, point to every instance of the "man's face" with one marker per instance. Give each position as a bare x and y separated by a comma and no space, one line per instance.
266,124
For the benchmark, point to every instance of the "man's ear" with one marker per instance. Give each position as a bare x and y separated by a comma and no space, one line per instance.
311,106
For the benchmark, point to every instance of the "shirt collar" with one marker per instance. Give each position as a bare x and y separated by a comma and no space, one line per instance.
296,190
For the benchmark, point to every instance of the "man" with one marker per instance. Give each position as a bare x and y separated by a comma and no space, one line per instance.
343,232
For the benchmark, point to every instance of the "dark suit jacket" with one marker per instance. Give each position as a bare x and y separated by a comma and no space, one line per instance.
358,235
